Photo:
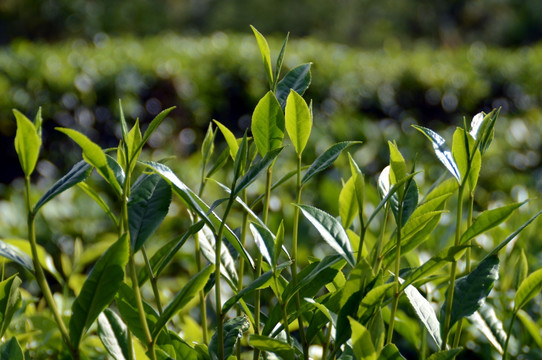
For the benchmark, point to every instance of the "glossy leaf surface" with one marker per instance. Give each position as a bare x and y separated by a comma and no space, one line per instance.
298,121
268,124
298,79
233,331
27,143
114,335
326,159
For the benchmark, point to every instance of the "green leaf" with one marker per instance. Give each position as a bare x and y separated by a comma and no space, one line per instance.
483,129
522,269
424,311
445,354
148,205
264,343
207,243
153,126
233,330
390,352
374,297
11,350
27,143
280,58
348,204
472,289
488,220
219,163
260,283
123,125
331,231
298,79
268,124
298,121
442,151
486,321
266,54
99,288
361,341
133,142
95,156
208,146
397,166
326,159
165,254
38,121
255,170
10,301
193,202
14,254
409,202
114,335
279,244
77,173
265,242
116,168
126,303
98,199
528,289
532,327
178,348
463,155
191,289
230,139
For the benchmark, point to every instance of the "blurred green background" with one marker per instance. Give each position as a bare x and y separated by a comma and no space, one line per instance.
378,68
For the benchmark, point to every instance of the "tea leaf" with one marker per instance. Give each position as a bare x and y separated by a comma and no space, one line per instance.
133,139
522,269
14,254
233,330
528,289
116,168
265,241
128,310
255,170
483,129
153,126
10,301
472,289
374,297
278,347
390,352
442,151
165,254
99,288
280,58
95,156
531,326
297,79
191,289
27,143
11,350
266,54
208,246
207,147
361,341
298,121
114,335
488,220
445,354
148,205
123,125
79,172
219,163
268,124
487,323
464,159
348,204
98,199
331,231
326,159
230,139
424,311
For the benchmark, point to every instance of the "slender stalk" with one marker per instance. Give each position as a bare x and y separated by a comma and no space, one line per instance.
396,294
40,275
152,280
508,335
258,273
294,259
325,346
423,345
218,249
451,288
244,228
197,249
378,253
362,231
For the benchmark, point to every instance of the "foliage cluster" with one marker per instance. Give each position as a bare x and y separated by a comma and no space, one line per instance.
76,82
392,252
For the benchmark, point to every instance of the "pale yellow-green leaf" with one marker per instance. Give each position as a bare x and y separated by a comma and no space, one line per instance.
230,139
27,143
266,54
362,344
528,289
298,121
348,203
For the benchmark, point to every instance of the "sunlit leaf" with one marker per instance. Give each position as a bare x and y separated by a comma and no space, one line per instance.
361,341
348,204
11,350
278,347
326,159
442,151
265,241
268,124
486,321
266,54
230,139
256,169
233,331
297,79
27,143
208,247
445,354
532,327
528,289
298,121
10,301
425,313
114,335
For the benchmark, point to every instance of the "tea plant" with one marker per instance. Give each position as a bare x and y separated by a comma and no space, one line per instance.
346,305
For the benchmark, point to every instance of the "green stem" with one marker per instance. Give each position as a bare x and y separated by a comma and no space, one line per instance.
258,273
244,228
294,260
509,335
153,281
327,342
40,275
378,253
197,250
396,294
451,288
218,249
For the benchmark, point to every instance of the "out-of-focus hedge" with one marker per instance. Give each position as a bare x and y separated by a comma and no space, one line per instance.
370,95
